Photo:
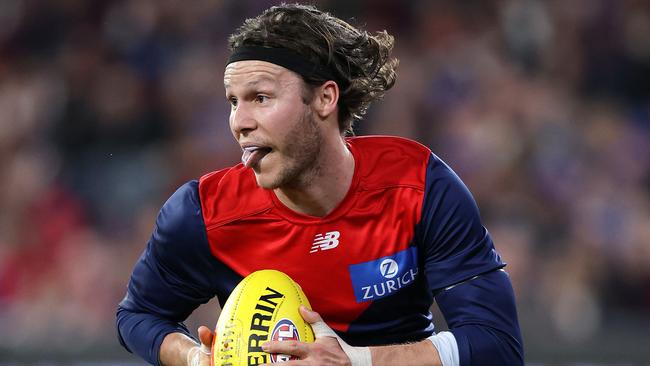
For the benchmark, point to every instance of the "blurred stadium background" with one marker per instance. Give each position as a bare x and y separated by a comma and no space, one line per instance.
542,107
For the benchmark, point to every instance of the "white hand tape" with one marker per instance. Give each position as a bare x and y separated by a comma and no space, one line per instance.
359,356
194,355
206,349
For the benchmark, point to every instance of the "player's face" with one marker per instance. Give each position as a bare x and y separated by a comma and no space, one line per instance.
279,137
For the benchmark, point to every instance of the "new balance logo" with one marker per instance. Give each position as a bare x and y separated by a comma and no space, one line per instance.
325,242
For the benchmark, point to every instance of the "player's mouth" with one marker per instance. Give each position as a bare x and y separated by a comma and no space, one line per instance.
253,154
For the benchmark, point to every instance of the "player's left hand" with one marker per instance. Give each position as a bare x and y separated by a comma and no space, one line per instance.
326,350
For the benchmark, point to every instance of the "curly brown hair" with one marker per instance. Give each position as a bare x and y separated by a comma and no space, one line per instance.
360,61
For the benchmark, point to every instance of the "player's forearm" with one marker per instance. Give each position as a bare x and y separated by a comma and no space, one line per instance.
482,316
143,333
422,353
174,349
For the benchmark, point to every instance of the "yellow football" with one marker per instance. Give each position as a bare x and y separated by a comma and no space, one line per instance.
263,307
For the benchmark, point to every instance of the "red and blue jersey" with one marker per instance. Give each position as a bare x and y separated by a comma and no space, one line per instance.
407,230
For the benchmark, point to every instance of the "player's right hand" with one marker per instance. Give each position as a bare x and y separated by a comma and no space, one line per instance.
200,355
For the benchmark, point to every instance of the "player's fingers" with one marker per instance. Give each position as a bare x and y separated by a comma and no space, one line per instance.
310,316
322,330
319,327
205,336
292,348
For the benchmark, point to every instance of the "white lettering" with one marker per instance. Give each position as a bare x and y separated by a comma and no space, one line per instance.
383,289
391,285
405,279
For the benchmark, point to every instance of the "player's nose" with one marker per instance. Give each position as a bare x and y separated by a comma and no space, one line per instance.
242,121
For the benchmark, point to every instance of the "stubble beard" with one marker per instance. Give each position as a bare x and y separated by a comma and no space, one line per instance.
303,147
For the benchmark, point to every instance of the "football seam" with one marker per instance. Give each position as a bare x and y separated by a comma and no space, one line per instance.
302,302
239,296
231,319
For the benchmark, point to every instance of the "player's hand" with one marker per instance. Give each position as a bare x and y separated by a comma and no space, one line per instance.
200,355
326,350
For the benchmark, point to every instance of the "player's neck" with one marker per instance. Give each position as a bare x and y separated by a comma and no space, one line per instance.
327,187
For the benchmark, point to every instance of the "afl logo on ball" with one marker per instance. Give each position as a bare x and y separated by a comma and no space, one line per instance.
284,330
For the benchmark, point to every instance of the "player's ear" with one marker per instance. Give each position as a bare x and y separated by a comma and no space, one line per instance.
326,98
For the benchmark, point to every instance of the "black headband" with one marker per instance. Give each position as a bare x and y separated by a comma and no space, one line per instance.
285,58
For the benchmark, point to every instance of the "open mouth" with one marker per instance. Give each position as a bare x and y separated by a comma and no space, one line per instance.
252,155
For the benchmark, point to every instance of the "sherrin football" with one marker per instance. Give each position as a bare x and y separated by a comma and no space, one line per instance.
263,307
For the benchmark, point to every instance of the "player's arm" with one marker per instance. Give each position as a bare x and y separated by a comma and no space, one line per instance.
168,282
179,349
464,269
330,350
422,353
482,318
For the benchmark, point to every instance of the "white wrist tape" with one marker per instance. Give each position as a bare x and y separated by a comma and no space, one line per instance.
447,347
195,353
359,356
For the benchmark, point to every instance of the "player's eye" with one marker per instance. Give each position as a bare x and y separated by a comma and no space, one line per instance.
233,102
261,98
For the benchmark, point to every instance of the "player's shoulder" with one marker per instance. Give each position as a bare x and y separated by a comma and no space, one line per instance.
229,194
390,160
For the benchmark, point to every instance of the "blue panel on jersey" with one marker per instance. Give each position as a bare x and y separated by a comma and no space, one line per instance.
382,277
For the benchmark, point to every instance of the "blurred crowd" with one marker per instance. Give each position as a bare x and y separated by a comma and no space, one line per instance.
542,108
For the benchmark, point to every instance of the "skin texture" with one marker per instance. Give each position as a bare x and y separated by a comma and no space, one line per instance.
310,170
267,110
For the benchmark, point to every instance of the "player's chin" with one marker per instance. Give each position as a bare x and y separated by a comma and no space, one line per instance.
267,179
273,174
263,181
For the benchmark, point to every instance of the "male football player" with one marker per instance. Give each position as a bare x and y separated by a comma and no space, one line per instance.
372,228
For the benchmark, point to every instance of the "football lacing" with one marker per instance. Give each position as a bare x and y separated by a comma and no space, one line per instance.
226,350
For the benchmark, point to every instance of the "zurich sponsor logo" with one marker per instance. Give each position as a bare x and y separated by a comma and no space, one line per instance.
384,276
388,268
284,330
